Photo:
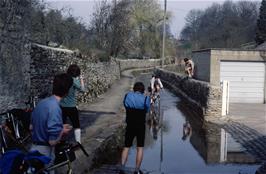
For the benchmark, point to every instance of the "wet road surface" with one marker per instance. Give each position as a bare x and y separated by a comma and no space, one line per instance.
183,144
207,149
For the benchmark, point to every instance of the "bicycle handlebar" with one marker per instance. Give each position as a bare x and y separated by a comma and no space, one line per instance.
78,145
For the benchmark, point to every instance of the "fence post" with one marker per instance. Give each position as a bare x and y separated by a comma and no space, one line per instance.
225,98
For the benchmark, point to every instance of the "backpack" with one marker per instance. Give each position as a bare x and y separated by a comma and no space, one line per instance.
12,162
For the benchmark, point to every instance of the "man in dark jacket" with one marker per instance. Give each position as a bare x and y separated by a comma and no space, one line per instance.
137,105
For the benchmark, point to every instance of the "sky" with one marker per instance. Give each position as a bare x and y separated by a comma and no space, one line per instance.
84,9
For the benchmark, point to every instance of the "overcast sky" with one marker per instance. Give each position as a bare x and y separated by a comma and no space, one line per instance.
178,8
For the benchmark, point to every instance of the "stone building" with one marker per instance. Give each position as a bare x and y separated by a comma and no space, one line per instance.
244,69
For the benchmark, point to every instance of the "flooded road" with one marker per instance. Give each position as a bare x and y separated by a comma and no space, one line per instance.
182,144
205,149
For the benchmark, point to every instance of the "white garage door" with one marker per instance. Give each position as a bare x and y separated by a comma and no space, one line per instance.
246,81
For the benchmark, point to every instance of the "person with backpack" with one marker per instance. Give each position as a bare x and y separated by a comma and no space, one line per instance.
137,105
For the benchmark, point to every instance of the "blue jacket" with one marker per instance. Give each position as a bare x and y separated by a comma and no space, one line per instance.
137,105
47,120
135,100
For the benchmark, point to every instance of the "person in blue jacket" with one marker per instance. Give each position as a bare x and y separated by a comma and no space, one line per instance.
46,122
137,105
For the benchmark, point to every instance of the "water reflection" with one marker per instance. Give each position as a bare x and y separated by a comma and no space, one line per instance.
213,143
187,131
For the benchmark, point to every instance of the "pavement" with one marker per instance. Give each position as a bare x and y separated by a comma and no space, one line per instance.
249,114
247,125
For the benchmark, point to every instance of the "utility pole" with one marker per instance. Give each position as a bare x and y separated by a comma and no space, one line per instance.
164,17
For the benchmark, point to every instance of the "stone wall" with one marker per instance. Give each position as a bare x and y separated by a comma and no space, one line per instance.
138,63
48,61
200,94
14,53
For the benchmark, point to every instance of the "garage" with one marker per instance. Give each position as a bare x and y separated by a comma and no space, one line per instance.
246,80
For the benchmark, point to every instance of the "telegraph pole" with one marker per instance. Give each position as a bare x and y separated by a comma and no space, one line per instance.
164,17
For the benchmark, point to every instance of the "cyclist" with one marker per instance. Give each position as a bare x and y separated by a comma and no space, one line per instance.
156,83
46,122
156,86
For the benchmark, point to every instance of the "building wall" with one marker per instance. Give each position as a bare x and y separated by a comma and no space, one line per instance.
229,55
202,65
207,62
14,53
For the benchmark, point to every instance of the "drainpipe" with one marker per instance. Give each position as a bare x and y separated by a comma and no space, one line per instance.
263,55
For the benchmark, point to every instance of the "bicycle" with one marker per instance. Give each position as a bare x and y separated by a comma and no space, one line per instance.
154,115
12,141
14,126
33,162
65,156
12,132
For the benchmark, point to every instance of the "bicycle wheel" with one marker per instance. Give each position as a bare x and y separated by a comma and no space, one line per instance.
3,143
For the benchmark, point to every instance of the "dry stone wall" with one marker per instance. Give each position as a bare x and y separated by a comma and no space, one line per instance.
200,94
48,61
14,53
28,69
138,63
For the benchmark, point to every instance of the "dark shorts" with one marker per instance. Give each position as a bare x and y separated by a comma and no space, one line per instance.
73,114
133,131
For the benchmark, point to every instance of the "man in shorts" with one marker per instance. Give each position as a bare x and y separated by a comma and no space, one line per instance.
137,105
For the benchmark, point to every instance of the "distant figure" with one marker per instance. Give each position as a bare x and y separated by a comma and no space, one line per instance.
152,82
137,105
69,103
189,67
156,83
187,130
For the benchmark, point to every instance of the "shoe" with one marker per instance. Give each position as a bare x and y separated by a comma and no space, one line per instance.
139,172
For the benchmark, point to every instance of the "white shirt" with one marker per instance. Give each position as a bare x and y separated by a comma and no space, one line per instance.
153,80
